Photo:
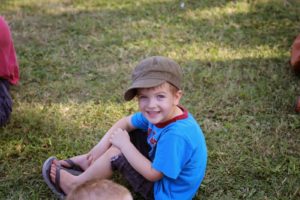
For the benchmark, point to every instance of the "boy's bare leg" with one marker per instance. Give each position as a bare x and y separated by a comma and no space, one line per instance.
101,169
104,144
85,160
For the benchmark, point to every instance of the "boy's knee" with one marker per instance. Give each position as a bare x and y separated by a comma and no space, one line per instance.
113,151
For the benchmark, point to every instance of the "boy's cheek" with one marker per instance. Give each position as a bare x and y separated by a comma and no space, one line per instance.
142,103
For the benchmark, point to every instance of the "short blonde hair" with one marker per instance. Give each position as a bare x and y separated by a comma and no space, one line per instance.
99,189
171,87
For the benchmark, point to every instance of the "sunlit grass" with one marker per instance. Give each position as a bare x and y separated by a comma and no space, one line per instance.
76,57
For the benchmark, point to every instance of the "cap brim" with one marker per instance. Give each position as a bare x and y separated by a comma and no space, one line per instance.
131,91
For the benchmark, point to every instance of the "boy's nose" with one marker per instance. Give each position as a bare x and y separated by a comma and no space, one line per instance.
151,102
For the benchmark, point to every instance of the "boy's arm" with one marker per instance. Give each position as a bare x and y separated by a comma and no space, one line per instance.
138,161
104,143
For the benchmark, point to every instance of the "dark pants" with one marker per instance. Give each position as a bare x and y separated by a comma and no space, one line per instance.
5,102
136,180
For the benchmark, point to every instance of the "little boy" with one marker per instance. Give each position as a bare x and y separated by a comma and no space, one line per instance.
99,189
160,150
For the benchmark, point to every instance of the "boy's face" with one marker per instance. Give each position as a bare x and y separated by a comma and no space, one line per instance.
158,104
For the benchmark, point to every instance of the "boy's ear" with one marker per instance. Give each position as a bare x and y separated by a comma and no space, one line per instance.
178,96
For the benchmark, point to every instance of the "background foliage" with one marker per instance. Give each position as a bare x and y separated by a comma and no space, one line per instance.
76,57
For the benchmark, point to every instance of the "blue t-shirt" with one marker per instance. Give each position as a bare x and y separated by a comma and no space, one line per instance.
178,150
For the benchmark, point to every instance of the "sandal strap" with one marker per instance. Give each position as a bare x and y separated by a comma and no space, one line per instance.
73,165
57,179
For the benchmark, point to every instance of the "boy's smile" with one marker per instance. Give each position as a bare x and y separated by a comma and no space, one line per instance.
159,104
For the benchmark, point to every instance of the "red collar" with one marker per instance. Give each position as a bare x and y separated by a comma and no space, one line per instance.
184,115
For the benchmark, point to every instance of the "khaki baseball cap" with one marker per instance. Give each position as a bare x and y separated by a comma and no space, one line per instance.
152,72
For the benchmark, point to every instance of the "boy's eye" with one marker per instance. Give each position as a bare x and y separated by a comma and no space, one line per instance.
142,97
160,96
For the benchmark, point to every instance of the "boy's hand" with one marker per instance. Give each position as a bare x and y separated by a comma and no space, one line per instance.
119,138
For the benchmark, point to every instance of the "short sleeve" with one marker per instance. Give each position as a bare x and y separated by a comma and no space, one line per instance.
139,121
171,155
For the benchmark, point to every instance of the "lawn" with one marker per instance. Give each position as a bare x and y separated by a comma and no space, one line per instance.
75,60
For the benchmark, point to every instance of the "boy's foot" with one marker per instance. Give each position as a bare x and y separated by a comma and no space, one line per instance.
79,163
60,178
46,175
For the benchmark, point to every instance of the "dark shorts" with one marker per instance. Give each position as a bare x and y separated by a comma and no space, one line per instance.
139,184
5,102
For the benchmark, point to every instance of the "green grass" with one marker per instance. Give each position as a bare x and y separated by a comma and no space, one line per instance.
75,60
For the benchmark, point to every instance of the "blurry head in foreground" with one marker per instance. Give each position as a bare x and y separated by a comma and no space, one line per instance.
100,189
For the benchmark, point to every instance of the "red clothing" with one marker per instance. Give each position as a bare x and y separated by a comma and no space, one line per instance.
9,68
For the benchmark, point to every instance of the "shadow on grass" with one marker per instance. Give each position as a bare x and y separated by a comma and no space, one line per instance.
37,132
239,119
